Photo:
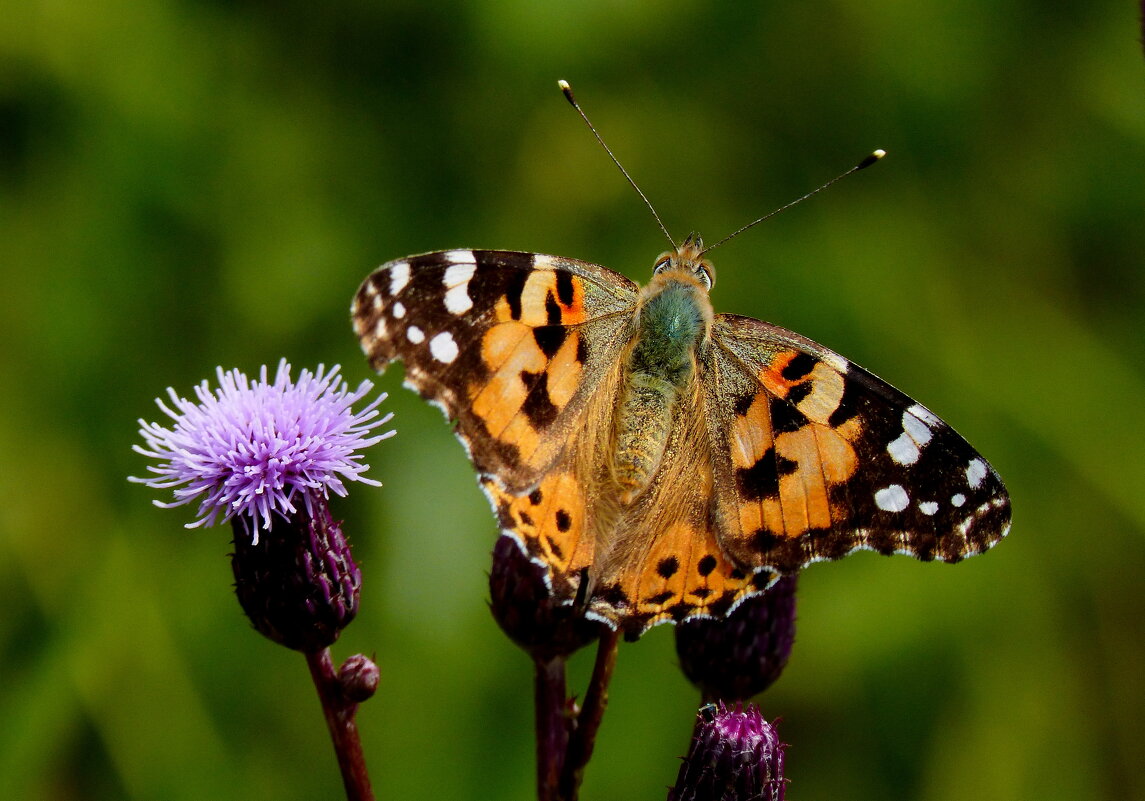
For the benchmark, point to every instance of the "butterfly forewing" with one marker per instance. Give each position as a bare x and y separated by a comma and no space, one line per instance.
508,344
822,458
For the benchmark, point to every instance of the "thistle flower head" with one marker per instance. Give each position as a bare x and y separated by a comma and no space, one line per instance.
736,755
250,448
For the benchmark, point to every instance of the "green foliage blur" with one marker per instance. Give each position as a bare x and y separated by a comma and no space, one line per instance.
192,184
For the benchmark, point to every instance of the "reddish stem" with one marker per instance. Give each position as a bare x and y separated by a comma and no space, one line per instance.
343,731
552,724
583,738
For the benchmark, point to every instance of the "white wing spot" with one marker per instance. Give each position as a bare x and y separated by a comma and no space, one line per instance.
925,415
928,507
399,276
399,310
415,335
457,300
917,428
907,447
543,262
443,348
456,281
460,257
380,328
892,498
458,274
975,472
903,450
958,499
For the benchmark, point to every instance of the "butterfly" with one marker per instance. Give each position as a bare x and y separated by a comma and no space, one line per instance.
659,460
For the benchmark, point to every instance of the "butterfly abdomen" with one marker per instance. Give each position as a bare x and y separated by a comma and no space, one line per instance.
673,321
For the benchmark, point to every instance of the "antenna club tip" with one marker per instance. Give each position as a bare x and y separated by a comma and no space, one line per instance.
871,159
566,90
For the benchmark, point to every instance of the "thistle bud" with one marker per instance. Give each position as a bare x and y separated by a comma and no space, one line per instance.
742,654
359,677
525,610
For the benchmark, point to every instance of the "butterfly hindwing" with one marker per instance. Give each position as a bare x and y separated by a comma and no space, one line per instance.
666,563
822,458
508,344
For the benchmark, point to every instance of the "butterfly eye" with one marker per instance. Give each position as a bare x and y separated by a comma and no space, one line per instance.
704,273
662,264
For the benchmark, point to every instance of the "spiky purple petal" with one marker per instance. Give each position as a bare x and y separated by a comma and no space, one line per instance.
253,447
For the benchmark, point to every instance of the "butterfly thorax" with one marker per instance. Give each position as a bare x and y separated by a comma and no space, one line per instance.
672,324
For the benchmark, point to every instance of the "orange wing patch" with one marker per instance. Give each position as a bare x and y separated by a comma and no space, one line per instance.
803,490
785,456
814,387
810,455
751,442
525,389
508,350
534,361
783,478
684,574
550,521
548,298
751,433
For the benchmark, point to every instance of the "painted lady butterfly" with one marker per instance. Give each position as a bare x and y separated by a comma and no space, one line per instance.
674,459
659,460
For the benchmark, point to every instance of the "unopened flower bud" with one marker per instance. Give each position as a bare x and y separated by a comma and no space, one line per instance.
742,654
359,677
525,610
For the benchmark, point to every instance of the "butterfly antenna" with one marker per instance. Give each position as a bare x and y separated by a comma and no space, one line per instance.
568,93
862,165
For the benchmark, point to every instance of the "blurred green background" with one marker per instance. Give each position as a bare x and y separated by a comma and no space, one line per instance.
189,184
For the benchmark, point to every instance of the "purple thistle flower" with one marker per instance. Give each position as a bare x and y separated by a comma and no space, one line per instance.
736,755
250,448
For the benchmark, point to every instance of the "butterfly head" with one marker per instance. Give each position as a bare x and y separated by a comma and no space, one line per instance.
688,259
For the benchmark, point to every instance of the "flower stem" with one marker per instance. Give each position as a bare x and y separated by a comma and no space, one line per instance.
343,731
552,724
583,738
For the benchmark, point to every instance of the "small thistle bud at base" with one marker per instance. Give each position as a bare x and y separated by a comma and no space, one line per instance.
359,677
298,583
524,608
741,655
735,756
